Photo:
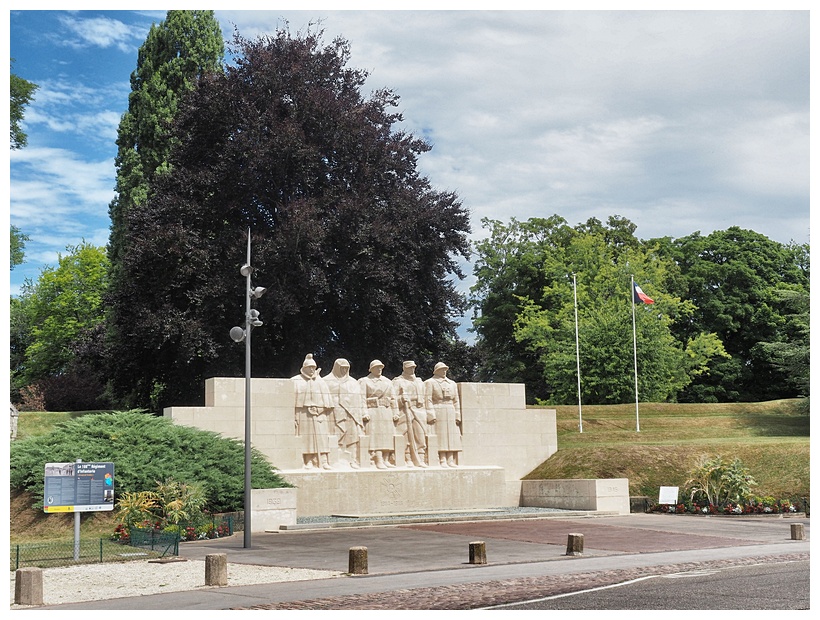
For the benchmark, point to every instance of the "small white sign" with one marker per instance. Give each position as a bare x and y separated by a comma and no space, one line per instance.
668,495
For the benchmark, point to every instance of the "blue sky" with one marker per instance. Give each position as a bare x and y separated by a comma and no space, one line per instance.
679,121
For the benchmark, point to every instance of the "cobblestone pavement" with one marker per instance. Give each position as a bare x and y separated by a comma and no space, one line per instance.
491,593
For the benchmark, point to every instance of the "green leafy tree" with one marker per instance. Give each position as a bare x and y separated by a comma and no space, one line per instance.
733,278
19,324
525,312
55,315
145,450
355,247
175,54
604,260
22,94
17,251
791,353
19,341
511,265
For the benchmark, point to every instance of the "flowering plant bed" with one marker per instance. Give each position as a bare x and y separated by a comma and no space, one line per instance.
205,532
215,527
755,506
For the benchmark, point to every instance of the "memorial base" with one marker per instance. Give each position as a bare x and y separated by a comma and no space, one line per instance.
391,491
608,494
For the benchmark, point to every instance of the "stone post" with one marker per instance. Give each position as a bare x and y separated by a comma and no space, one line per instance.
797,531
357,561
575,544
28,586
478,552
216,569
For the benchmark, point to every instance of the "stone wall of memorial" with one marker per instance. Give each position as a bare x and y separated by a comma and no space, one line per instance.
501,440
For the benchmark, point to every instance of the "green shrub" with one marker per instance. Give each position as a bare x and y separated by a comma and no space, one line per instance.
145,450
181,501
717,483
173,507
134,508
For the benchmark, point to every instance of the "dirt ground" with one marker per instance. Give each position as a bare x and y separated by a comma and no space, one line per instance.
29,524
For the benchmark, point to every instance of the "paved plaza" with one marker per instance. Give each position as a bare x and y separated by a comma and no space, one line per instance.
426,565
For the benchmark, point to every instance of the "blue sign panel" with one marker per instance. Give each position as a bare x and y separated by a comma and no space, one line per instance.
78,487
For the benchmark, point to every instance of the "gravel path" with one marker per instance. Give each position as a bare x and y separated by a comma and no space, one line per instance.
94,582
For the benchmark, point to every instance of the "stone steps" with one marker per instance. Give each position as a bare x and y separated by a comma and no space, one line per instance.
439,517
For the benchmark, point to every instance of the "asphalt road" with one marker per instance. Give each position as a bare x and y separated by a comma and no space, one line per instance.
783,586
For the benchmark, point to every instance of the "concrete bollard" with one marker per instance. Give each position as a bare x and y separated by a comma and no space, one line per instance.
478,552
575,544
216,569
797,531
357,561
28,586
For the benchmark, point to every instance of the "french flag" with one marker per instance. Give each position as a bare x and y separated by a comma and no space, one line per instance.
641,297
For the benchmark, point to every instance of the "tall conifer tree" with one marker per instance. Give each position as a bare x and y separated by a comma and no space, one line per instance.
175,54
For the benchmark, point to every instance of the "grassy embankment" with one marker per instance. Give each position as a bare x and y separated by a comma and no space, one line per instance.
28,525
771,438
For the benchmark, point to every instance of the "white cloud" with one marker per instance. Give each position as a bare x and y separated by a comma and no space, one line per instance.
55,194
680,121
770,154
69,92
66,106
663,117
102,32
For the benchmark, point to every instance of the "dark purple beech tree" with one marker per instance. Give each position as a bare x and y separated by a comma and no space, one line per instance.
358,252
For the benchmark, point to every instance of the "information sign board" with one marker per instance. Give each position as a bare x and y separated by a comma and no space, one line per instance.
78,487
668,495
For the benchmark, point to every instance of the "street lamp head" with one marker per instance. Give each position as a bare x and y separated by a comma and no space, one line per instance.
257,292
237,334
246,270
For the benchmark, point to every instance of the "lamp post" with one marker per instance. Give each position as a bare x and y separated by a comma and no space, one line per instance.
238,334
577,354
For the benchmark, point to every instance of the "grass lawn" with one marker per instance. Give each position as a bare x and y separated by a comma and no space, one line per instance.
770,438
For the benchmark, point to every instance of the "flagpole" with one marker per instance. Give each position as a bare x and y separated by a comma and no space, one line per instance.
577,355
635,353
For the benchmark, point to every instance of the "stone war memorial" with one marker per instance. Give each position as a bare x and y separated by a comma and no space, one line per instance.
378,446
